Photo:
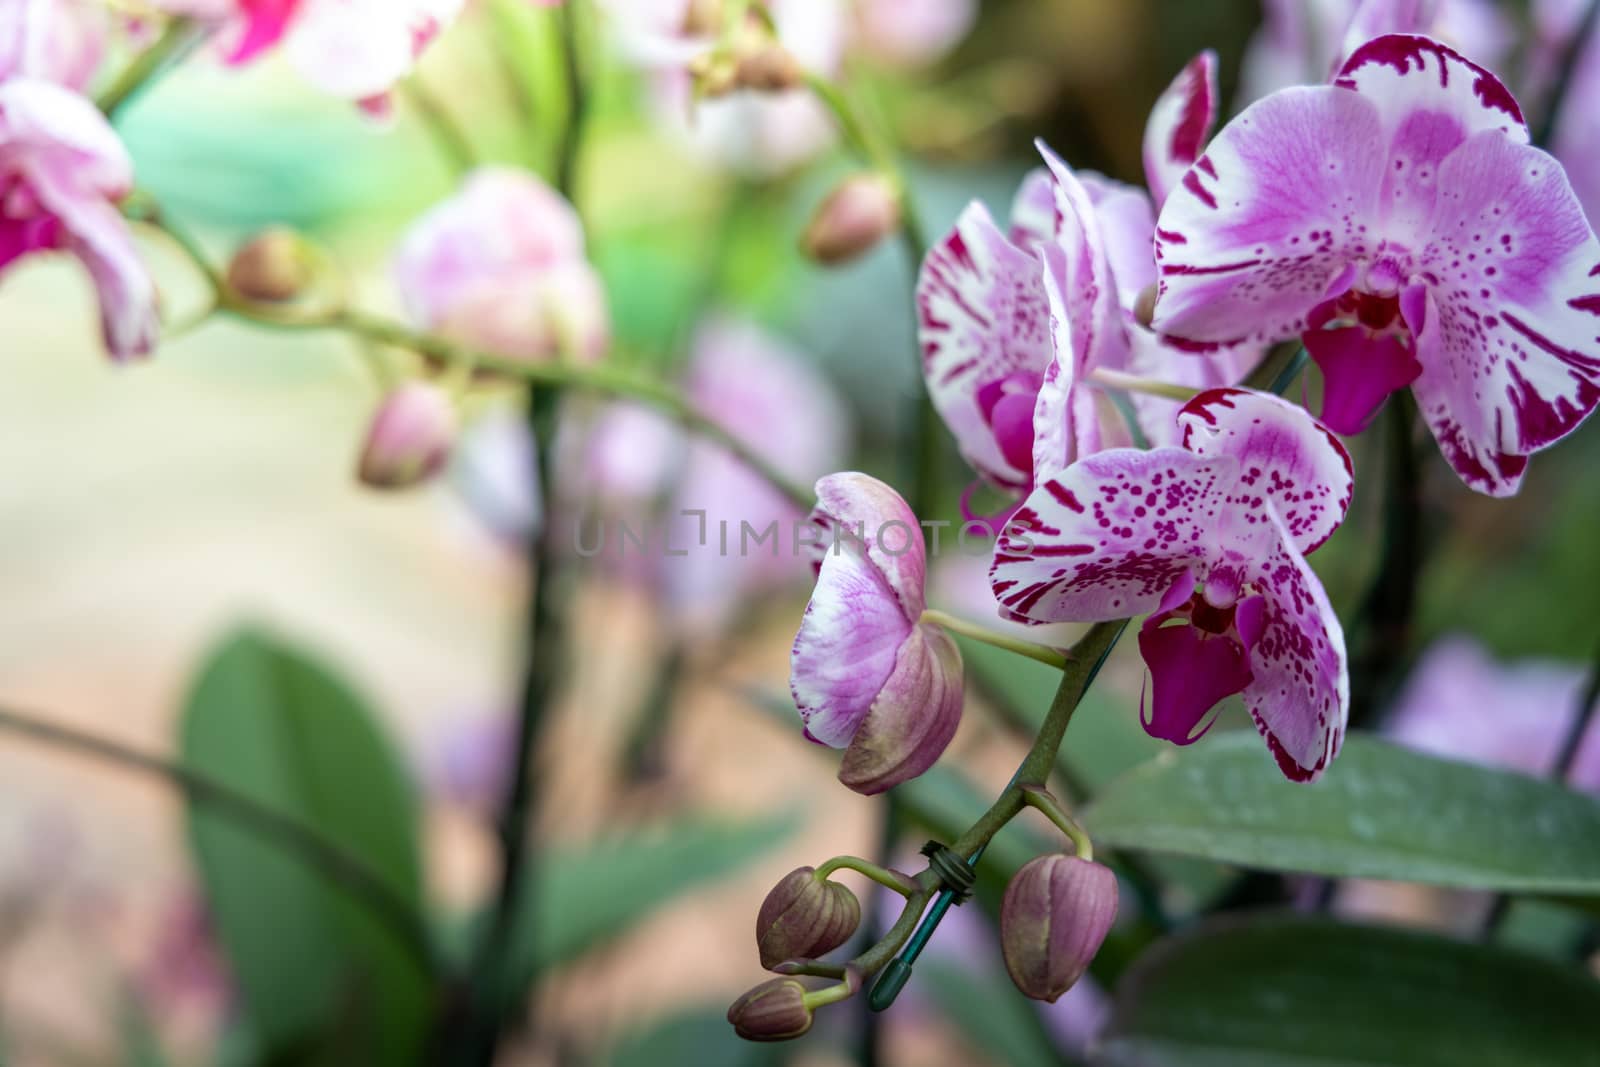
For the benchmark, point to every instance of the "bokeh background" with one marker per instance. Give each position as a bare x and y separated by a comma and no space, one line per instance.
147,512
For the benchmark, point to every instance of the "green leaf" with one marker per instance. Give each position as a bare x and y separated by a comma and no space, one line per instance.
1379,812
1288,991
997,1020
704,1039
589,894
310,958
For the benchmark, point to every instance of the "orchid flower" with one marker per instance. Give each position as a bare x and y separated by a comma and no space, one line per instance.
501,266
867,674
63,170
1400,224
1211,537
356,49
911,32
1013,324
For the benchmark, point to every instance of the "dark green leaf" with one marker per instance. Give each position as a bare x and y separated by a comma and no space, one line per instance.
590,894
276,726
1308,992
997,1020
1379,812
702,1039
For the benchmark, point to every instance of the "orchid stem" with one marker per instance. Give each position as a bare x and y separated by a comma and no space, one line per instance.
1130,383
454,144
148,65
1041,801
903,884
1048,656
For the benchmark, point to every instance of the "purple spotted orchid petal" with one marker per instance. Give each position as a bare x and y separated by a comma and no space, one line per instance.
1299,697
913,717
982,321
1285,457
1455,258
1179,125
1110,536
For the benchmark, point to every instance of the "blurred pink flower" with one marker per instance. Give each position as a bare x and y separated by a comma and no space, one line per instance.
501,266
1399,223
912,32
761,134
357,49
1462,703
62,171
410,438
60,41
1576,141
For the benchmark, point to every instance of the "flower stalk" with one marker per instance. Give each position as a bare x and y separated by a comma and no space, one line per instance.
1039,653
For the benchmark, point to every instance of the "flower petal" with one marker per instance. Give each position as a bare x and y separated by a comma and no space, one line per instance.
129,318
1159,358
1109,536
981,317
1511,349
1033,210
1128,226
1191,673
1179,124
1300,698
914,717
1285,457
866,511
1429,101
360,48
1270,215
847,646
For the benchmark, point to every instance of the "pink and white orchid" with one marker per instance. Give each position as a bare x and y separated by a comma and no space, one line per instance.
911,32
1400,224
1013,325
63,170
501,266
867,674
356,49
1211,537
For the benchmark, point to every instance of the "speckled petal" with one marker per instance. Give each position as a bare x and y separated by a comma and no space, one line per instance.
1285,457
1300,696
981,317
1511,350
887,529
1179,125
1107,538
913,719
1271,214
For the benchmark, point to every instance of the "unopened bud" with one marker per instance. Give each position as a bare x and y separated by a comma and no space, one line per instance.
775,1010
1144,308
863,210
410,438
769,68
1055,915
703,18
913,717
805,917
274,266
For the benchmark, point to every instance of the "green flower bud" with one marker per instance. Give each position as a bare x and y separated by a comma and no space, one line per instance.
274,266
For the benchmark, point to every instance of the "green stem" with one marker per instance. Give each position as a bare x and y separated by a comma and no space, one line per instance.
147,66
454,144
329,859
1129,383
903,884
875,958
1043,802
577,102
1048,656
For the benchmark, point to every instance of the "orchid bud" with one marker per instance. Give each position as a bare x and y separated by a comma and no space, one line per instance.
805,917
775,1010
273,266
703,18
862,211
410,438
769,68
1055,915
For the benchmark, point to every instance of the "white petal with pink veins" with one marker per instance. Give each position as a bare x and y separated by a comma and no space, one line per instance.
1108,537
1179,124
1511,352
876,517
1286,459
982,316
1033,210
1300,695
361,48
1272,213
